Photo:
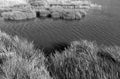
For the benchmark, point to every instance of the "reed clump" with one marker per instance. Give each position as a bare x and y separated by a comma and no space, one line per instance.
19,60
86,60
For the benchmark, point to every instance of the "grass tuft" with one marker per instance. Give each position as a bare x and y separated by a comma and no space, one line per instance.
19,60
86,60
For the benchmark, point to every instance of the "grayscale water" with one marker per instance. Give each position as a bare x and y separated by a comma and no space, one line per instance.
102,26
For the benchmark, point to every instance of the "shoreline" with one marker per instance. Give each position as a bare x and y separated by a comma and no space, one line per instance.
68,11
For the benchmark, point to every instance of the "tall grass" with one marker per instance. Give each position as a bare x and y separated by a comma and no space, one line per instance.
82,60
19,60
86,60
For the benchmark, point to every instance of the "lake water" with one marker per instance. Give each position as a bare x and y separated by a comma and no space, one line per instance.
102,26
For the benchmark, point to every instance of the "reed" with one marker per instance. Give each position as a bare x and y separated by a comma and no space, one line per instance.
86,60
82,60
19,60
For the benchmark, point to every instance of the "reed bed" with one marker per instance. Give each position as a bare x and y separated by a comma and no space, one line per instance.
82,60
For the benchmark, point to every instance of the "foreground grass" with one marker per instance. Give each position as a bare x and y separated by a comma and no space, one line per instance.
85,60
19,60
82,60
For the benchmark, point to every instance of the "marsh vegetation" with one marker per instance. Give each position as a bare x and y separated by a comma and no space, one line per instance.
81,60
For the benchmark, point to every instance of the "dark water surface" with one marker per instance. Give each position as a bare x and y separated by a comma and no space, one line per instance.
102,26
